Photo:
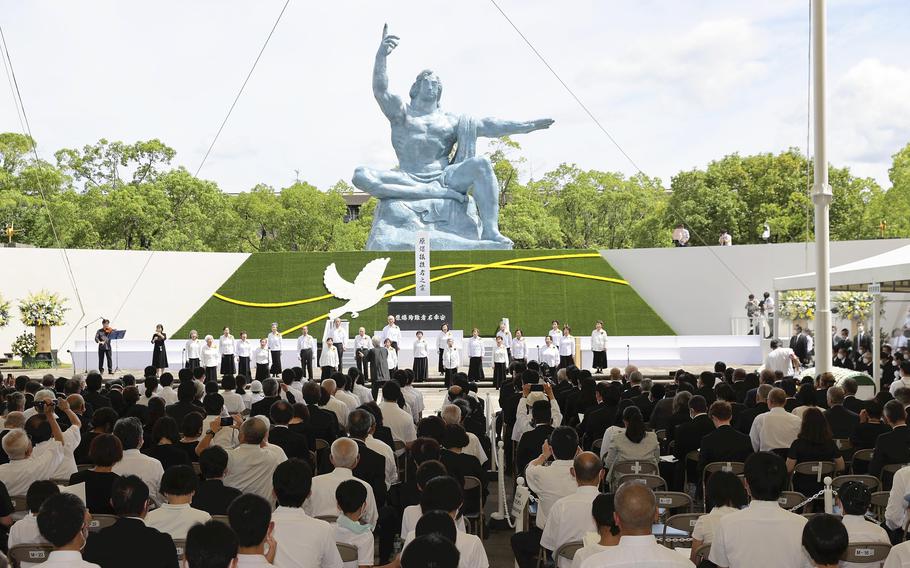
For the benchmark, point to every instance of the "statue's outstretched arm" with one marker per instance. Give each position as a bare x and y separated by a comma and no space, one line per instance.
391,105
494,127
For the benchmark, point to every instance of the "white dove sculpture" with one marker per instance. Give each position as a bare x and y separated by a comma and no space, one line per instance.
363,293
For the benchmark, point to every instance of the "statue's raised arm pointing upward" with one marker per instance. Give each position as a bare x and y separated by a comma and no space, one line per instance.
429,191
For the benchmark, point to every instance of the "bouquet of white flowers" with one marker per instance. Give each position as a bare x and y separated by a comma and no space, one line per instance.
42,308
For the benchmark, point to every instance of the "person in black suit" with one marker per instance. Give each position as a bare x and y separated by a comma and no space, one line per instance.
726,393
861,339
823,383
800,345
842,359
294,444
272,391
634,388
725,443
894,446
322,424
129,537
212,495
532,440
186,402
688,437
92,393
382,433
680,414
601,417
662,409
705,388
843,423
788,385
747,417
372,465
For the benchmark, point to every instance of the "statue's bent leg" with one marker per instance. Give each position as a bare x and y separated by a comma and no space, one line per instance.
391,184
478,171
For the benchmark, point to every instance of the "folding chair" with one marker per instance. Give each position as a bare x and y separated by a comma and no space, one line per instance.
888,472
790,499
869,481
568,550
702,553
180,545
60,481
668,501
348,552
474,515
861,456
866,552
84,466
736,468
197,468
221,519
328,518
879,502
99,522
817,469
684,522
653,482
30,553
19,503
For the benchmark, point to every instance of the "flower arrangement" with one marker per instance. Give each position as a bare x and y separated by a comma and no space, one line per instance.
42,308
853,305
797,305
25,345
4,312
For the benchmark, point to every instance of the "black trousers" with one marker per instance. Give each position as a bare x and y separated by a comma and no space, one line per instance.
525,546
442,369
360,358
306,362
340,349
102,354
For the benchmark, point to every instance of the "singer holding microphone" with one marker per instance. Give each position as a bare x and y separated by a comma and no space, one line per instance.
103,339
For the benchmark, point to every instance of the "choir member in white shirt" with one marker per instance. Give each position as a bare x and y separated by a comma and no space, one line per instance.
339,337
306,346
328,361
500,360
566,348
391,332
442,341
554,332
599,347
226,346
392,357
274,342
506,336
519,347
550,355
475,356
450,360
193,350
362,345
244,349
420,358
210,358
261,356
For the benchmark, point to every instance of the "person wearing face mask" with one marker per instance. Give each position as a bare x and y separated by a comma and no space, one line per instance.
63,522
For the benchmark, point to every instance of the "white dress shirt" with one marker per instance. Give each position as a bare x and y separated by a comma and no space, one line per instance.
226,344
420,348
363,542
363,393
774,429
638,552
451,358
329,357
550,483
67,467
414,400
252,561
210,356
193,348
860,530
550,356
321,501
780,360
339,335
523,418
442,340
273,341
243,348
233,402
599,340
707,524
555,335
519,348
899,557
412,514
506,338
567,346
261,357
471,553
306,342
902,382
363,341
175,520
66,559
18,475
351,400
168,394
383,449
762,534
336,406
303,542
569,519
500,355
250,468
391,358
399,421
475,347
25,531
586,552
896,509
392,333
227,438
475,448
146,468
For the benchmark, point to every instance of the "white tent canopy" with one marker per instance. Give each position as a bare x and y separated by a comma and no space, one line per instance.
891,269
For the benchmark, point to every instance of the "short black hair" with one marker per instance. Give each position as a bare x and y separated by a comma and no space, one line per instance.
93,382
60,518
191,426
455,436
725,489
438,523
38,492
186,392
350,495
855,497
179,480
210,545
541,413
894,411
391,391
564,441
602,510
430,551
292,482
129,494
442,493
698,404
166,427
213,403
212,462
249,516
281,412
825,539
766,474
166,379
428,470
104,417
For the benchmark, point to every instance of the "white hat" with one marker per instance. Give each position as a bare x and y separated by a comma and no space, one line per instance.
256,386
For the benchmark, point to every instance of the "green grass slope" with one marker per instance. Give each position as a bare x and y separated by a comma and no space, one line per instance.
530,299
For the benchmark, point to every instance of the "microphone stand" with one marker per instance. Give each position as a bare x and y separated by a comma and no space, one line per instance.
85,341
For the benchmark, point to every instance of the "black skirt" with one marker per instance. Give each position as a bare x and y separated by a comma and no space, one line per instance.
420,369
159,355
211,374
262,371
192,363
475,369
449,376
600,359
227,365
566,361
499,374
275,369
243,364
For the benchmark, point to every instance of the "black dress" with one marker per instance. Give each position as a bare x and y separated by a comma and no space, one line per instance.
805,451
98,486
159,352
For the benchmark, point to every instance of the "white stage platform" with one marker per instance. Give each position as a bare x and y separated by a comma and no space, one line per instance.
645,351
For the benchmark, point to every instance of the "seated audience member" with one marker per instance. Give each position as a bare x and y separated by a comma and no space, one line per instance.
148,469
322,424
294,445
272,390
25,466
636,511
212,495
103,420
635,443
452,414
532,440
431,551
39,430
397,419
459,464
252,463
306,542
777,428
825,540
843,422
749,414
186,401
891,447
212,545
726,495
603,513
854,499
688,438
724,443
129,537
106,451
570,518
741,538
680,413
166,438
870,427
25,530
63,522
523,415
176,516
190,434
470,547
361,425
352,499
371,466
426,471
233,402
805,399
344,456
251,518
333,404
813,444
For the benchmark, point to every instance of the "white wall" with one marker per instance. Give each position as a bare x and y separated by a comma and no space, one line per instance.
172,286
697,295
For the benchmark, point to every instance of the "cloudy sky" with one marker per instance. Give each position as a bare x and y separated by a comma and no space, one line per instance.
676,83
